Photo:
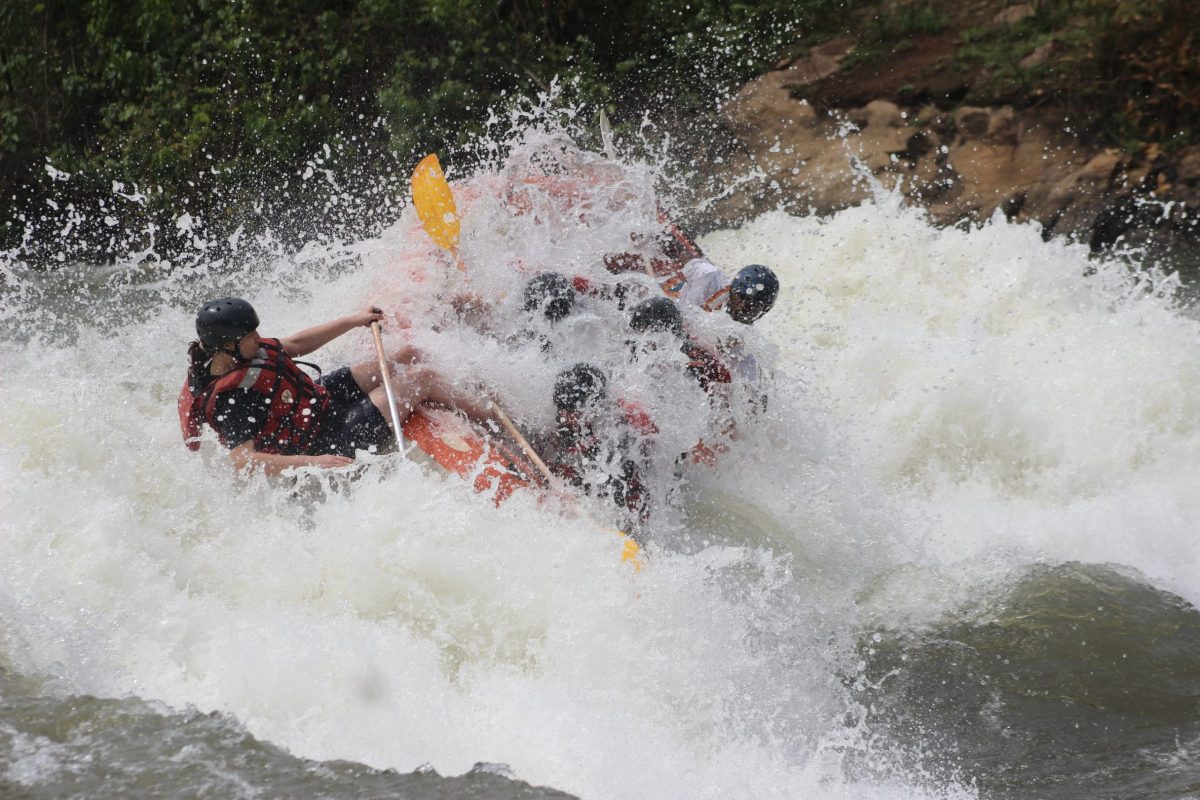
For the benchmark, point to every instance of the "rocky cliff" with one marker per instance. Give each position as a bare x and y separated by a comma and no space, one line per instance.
814,129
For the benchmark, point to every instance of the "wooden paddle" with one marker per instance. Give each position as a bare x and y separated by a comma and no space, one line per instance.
521,441
630,550
385,376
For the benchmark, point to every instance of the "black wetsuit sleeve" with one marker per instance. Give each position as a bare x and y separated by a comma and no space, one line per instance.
240,415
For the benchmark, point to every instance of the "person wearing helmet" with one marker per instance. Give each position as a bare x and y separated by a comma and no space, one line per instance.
270,413
579,390
661,314
550,294
750,295
685,273
600,445
674,249
548,299
658,314
746,298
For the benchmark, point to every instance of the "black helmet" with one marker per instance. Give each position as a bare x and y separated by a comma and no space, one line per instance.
752,293
578,386
656,314
225,320
552,293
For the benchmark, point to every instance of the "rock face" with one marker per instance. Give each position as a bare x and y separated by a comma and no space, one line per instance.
965,163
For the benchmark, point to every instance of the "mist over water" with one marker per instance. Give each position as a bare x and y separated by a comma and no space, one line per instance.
1023,397
976,441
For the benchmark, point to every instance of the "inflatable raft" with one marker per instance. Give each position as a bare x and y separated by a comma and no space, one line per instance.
496,468
453,443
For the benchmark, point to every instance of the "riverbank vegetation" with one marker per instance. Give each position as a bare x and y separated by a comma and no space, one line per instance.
202,119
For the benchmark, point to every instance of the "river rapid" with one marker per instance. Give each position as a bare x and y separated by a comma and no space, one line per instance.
956,557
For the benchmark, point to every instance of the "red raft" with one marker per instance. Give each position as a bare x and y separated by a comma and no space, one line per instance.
494,467
457,445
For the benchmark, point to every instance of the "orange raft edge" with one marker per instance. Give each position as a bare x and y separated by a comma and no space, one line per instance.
459,446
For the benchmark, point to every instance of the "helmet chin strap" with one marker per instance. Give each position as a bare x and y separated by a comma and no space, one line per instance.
235,353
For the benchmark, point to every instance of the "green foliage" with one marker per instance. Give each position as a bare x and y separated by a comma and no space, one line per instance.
888,28
217,104
217,107
1127,70
199,99
909,19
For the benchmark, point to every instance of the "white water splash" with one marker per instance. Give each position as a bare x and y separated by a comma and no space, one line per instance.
948,404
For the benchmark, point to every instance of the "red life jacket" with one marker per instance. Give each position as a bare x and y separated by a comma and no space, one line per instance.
294,403
633,415
717,300
586,444
678,249
705,367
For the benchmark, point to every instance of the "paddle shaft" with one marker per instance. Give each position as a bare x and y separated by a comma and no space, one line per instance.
521,440
630,550
384,375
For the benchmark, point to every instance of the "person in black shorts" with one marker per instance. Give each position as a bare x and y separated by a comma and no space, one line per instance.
272,415
352,422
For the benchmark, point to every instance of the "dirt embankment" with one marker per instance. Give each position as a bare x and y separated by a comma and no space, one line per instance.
816,127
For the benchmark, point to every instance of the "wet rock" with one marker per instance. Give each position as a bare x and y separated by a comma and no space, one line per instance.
966,163
1014,14
1136,175
877,114
1013,206
1081,200
1076,184
929,114
1189,165
1039,56
921,143
971,122
1002,127
932,181
1100,168
774,95
990,173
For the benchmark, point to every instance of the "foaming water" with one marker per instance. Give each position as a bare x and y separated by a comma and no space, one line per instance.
1016,394
949,406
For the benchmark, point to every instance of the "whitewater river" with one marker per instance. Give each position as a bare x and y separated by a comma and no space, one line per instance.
957,557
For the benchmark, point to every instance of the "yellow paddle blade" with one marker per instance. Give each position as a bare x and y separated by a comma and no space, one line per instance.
435,203
630,551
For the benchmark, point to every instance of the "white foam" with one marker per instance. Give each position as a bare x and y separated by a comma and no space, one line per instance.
1013,393
949,403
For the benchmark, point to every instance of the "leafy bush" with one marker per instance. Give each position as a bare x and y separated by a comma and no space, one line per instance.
219,105
219,108
1126,71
